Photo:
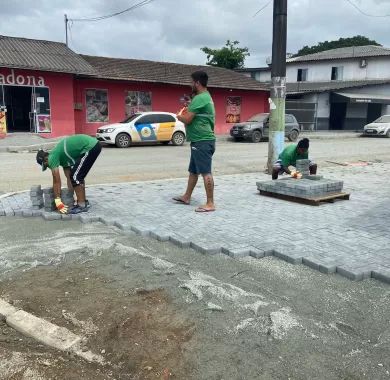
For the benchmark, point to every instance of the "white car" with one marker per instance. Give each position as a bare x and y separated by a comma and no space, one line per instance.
144,127
379,127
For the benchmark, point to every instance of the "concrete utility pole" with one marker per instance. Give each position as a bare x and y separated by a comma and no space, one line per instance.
278,86
66,29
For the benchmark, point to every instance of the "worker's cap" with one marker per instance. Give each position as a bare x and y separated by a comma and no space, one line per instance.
41,155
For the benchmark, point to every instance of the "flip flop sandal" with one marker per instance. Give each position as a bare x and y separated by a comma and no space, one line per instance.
202,209
179,200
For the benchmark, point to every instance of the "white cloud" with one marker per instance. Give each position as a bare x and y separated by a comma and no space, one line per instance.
175,30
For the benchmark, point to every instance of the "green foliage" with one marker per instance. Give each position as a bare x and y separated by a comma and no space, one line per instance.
340,43
230,56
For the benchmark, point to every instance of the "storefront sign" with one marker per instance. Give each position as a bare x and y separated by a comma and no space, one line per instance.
138,101
233,109
21,79
3,123
44,124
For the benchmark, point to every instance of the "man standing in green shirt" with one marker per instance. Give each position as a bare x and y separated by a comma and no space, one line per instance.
199,119
289,157
76,154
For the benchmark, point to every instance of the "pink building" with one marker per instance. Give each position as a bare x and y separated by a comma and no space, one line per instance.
47,88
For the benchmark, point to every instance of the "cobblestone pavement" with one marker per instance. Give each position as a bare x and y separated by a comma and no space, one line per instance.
347,237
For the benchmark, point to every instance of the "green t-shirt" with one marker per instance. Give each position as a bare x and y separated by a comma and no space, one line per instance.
202,126
69,150
290,155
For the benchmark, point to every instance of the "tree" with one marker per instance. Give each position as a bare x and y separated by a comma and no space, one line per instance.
230,56
340,43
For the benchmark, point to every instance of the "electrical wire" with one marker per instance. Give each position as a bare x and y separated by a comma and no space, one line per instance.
262,8
365,13
135,6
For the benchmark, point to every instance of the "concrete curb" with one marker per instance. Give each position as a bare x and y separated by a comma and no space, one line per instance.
45,332
318,264
27,148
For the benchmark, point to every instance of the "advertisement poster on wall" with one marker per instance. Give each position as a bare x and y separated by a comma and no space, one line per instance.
233,109
43,124
97,106
138,101
3,123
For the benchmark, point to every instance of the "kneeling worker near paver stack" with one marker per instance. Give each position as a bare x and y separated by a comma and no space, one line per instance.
76,154
289,157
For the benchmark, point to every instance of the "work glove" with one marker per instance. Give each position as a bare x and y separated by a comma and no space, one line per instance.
63,209
296,175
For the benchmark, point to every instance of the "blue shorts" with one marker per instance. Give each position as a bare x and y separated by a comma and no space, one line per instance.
201,157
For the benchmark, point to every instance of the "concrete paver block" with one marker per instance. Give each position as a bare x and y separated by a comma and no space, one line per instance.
353,274
206,249
257,253
160,235
179,242
290,258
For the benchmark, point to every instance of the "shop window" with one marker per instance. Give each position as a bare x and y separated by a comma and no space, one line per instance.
138,101
41,108
337,73
97,105
302,75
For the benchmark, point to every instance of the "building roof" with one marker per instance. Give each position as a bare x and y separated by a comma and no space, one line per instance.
169,73
344,53
23,53
362,98
310,87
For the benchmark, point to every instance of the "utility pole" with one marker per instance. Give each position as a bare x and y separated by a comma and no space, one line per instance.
66,29
278,86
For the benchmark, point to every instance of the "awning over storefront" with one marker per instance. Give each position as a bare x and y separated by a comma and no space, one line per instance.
344,97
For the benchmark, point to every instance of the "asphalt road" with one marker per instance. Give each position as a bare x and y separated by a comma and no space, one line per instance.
18,171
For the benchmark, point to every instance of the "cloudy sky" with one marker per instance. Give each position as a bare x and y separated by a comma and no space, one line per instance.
175,30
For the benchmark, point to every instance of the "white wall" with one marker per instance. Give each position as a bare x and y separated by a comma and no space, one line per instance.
377,68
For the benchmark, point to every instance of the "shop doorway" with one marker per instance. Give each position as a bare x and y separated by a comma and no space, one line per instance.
18,103
27,109
374,112
338,111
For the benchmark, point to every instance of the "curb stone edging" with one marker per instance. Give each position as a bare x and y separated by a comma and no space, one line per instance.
45,332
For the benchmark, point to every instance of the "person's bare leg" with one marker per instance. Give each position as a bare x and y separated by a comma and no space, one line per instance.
209,187
192,181
80,194
275,173
313,169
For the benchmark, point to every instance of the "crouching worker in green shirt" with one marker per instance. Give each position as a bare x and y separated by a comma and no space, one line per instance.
76,154
289,157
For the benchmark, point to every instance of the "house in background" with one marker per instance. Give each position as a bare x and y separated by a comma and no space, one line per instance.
338,89
47,88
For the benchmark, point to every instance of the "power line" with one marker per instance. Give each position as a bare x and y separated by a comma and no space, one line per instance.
99,18
363,12
262,8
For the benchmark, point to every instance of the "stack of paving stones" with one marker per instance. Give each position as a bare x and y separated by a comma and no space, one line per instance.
67,197
36,196
48,197
303,167
302,188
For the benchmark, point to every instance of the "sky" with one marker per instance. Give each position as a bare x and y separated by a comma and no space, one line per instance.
176,30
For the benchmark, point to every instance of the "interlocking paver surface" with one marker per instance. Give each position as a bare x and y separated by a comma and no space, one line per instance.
348,237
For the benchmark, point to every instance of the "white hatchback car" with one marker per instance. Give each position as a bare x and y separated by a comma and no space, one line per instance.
379,127
144,127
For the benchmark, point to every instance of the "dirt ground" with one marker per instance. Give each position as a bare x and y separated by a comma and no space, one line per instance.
154,311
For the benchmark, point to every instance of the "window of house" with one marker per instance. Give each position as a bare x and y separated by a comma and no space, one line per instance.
302,75
97,105
337,73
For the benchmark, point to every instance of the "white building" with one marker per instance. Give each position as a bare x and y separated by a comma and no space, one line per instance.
340,89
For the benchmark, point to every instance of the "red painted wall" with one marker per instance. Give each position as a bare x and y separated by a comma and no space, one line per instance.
61,98
165,98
